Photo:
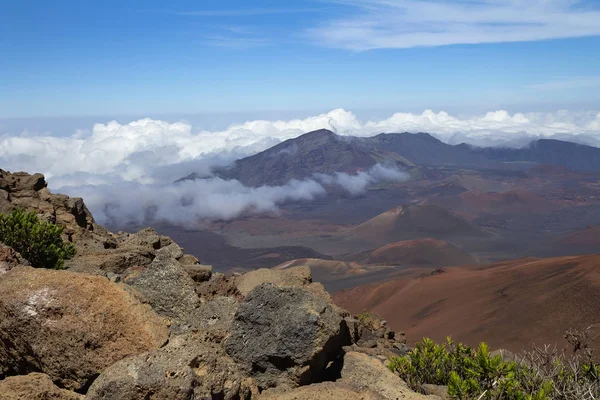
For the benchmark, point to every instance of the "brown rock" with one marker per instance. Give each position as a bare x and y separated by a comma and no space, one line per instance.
9,259
292,277
218,285
147,237
199,273
70,326
111,260
362,371
34,386
189,259
322,391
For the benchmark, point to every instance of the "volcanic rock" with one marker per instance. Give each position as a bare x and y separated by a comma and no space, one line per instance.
9,258
296,276
186,368
168,289
286,336
322,391
361,371
34,386
70,326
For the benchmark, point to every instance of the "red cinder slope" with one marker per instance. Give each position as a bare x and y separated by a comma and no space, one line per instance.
510,304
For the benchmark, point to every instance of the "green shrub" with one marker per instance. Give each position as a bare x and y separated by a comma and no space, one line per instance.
38,241
543,373
468,373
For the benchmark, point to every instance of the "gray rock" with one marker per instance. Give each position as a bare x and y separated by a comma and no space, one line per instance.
187,368
401,349
168,289
436,390
173,250
354,329
217,315
286,336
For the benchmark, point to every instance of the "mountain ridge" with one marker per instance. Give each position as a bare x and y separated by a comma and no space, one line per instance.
325,152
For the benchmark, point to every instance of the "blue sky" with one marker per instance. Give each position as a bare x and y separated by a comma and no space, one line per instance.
146,58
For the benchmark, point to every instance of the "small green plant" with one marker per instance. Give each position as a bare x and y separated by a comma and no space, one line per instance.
38,241
469,374
364,317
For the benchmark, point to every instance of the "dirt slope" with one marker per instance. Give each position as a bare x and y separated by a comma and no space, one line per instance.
509,304
418,253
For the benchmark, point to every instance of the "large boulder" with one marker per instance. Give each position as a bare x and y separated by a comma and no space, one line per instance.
34,386
187,368
362,371
292,277
168,289
70,326
286,336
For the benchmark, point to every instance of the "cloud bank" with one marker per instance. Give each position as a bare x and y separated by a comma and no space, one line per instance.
376,24
126,171
185,203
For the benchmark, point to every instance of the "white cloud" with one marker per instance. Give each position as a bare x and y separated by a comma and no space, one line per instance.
131,166
356,184
184,203
376,24
154,152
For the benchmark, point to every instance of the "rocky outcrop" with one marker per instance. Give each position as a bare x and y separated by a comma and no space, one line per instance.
30,192
9,258
70,326
98,251
34,386
163,326
187,368
286,336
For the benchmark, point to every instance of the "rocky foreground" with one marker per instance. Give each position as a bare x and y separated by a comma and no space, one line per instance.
134,317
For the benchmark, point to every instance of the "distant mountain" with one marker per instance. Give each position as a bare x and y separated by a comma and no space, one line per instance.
320,151
424,149
324,152
574,156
